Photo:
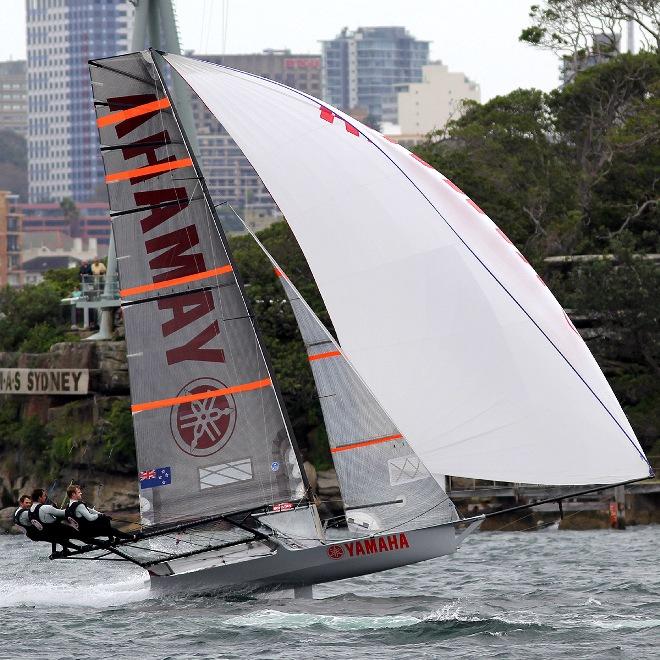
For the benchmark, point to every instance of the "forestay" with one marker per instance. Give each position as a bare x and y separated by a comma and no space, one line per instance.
210,434
453,331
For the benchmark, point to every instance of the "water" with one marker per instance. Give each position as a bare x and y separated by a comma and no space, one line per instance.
521,595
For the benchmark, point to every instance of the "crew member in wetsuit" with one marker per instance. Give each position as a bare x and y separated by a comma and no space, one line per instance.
91,523
22,518
45,518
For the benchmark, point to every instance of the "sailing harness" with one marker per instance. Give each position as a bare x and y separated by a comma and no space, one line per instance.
30,531
70,514
33,515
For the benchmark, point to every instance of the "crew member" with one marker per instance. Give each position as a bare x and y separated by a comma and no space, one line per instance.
46,519
90,522
22,518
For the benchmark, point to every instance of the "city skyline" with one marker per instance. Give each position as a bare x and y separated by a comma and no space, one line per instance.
485,46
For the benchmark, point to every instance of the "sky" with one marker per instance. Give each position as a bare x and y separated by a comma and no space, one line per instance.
476,37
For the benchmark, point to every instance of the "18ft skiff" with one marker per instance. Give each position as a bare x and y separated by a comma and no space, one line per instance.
454,358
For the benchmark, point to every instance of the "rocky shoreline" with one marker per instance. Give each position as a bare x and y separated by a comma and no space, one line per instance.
77,422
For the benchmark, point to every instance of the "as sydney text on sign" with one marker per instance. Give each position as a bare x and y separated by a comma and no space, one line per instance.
44,381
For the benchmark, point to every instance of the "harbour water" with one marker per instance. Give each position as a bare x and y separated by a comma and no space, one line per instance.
543,594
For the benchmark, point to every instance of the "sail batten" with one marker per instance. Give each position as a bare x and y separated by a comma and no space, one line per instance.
463,345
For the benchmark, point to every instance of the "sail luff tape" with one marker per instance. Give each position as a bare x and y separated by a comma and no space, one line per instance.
366,443
175,281
186,398
323,356
123,115
149,169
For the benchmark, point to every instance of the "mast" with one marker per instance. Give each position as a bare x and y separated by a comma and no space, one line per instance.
241,286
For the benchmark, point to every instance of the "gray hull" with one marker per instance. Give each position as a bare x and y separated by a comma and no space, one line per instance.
257,566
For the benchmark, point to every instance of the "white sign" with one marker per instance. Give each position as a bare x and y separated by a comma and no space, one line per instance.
44,381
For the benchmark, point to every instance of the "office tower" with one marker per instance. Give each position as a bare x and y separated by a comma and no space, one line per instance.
228,173
428,105
10,240
13,97
604,47
62,35
361,69
88,220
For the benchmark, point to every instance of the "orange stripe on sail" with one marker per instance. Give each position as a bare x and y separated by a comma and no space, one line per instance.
366,443
322,356
278,272
149,169
175,281
122,115
165,403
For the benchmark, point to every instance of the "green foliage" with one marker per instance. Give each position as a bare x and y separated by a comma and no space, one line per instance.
31,318
23,440
118,437
277,323
569,27
64,280
506,156
620,296
608,119
40,338
576,172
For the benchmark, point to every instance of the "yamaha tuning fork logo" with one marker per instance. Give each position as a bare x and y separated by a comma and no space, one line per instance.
203,427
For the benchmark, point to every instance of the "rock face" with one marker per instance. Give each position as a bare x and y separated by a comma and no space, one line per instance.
105,360
78,420
328,486
112,368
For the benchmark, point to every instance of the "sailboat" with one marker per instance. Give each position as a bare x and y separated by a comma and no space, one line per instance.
452,356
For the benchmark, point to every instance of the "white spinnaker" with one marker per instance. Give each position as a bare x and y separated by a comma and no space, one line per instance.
463,345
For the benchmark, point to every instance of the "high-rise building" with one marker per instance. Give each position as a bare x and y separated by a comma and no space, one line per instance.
62,35
13,97
361,68
428,105
229,175
604,48
10,240
85,220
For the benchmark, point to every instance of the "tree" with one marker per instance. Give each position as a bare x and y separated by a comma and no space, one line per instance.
622,297
573,28
278,325
507,156
609,119
72,214
30,318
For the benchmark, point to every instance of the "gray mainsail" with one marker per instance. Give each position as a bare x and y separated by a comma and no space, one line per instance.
211,433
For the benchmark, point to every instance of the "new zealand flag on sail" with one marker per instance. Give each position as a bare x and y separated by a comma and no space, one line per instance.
157,477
